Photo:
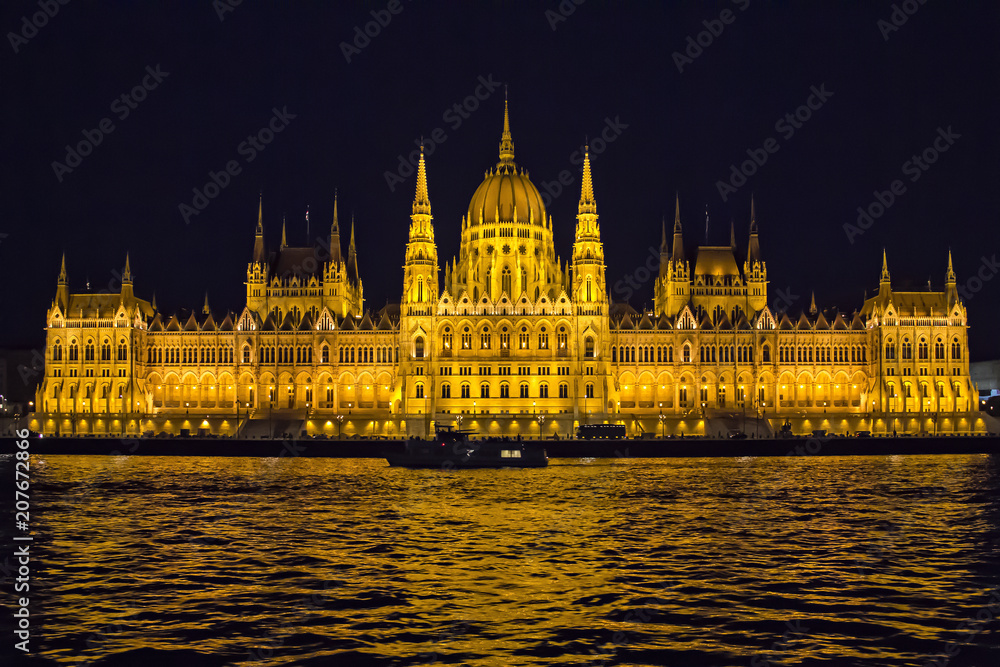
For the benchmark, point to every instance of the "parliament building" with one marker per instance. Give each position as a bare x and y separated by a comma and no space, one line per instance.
510,340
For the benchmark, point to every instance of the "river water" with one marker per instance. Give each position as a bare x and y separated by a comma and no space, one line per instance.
755,561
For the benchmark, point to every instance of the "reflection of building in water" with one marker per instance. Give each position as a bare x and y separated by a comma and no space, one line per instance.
510,340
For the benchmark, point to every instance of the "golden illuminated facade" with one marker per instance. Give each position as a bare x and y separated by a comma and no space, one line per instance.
511,341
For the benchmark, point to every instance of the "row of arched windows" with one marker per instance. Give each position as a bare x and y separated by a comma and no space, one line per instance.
168,356
89,351
923,349
707,353
524,390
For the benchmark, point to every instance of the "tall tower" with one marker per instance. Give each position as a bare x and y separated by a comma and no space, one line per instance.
420,272
884,281
588,289
673,288
755,269
257,268
62,288
950,286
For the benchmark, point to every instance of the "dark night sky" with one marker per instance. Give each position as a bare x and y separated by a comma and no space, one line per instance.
606,60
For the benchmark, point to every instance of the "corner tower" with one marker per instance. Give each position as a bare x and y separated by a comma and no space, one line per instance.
589,292
420,272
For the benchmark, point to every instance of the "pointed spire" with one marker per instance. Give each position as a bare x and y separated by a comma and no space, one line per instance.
812,304
732,234
421,200
260,213
284,239
506,142
62,271
127,273
587,202
335,257
753,251
677,254
663,237
352,257
884,278
950,276
205,309
258,243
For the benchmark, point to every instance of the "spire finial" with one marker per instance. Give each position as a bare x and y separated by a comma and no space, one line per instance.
732,233
812,304
205,309
506,142
127,273
284,239
950,276
885,269
421,200
62,270
677,212
336,223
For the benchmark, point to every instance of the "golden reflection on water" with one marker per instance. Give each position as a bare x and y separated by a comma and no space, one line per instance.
632,562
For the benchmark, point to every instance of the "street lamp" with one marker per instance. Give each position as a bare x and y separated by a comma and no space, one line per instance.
662,423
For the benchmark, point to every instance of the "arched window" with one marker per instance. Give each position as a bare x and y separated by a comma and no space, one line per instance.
563,390
614,353
74,351
589,288
524,390
907,352
325,354
687,354
505,280
922,349
419,390
122,350
246,354
765,354
939,349
446,390
446,339
420,289
484,390
466,391
543,390
418,347
57,351
504,390
106,350
589,390
890,349
956,349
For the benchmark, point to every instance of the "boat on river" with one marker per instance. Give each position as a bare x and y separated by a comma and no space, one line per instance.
453,448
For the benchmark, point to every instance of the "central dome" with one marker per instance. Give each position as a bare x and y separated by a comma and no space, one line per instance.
506,193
